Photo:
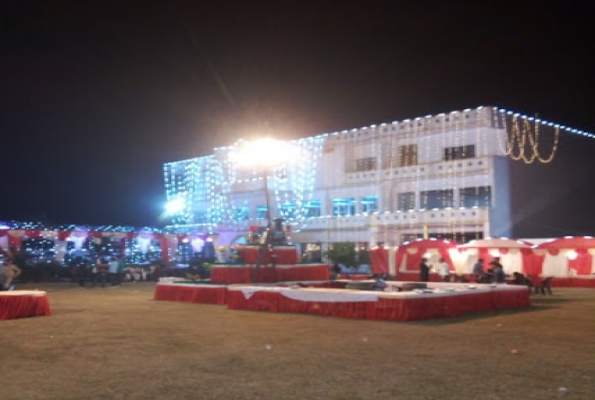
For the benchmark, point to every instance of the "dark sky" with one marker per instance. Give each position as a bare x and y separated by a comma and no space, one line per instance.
96,95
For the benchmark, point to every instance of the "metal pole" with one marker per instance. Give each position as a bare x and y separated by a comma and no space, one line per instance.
264,247
266,195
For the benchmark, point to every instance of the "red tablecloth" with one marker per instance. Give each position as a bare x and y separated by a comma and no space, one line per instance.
229,274
447,307
284,254
22,306
395,309
207,294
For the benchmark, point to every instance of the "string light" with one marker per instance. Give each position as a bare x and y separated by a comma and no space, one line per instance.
522,139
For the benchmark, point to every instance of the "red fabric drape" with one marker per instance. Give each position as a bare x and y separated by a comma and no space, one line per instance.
582,263
284,255
413,260
12,307
32,233
199,294
244,274
15,241
63,235
408,309
379,259
164,245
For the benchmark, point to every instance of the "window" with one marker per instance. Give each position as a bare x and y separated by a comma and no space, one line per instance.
437,199
369,204
344,206
288,210
407,155
365,164
405,201
313,208
261,212
201,217
457,153
480,196
240,213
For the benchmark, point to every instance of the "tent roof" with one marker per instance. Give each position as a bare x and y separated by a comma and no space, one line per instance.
496,244
578,242
429,244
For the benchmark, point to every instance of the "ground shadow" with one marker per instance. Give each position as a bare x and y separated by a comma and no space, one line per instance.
482,315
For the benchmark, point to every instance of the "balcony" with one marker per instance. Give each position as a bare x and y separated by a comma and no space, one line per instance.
442,217
422,171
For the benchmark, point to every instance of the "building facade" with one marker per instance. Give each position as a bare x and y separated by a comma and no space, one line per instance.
461,175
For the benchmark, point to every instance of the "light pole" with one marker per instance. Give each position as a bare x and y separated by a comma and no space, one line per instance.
267,198
264,155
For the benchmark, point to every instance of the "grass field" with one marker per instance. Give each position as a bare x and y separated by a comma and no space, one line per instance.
117,343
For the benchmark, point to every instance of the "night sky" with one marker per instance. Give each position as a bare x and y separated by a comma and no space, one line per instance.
96,95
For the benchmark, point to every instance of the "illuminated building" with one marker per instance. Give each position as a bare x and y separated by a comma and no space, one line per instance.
483,172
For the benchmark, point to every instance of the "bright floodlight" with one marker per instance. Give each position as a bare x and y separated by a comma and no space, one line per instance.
174,206
264,153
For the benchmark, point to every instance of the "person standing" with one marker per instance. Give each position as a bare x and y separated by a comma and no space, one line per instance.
497,271
113,267
424,270
82,271
8,272
478,271
443,270
121,270
102,270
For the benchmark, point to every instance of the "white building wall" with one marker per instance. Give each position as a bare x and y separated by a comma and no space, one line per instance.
338,177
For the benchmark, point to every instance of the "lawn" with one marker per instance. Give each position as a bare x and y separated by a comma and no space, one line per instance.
117,343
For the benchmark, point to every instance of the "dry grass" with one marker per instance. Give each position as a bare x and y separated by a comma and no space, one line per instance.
120,344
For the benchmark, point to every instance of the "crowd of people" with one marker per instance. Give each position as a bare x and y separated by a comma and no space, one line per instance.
103,271
494,274
113,271
443,269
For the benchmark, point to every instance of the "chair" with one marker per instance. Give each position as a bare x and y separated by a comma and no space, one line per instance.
545,285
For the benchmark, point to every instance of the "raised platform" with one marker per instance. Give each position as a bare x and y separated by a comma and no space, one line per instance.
439,300
244,273
23,304
283,255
